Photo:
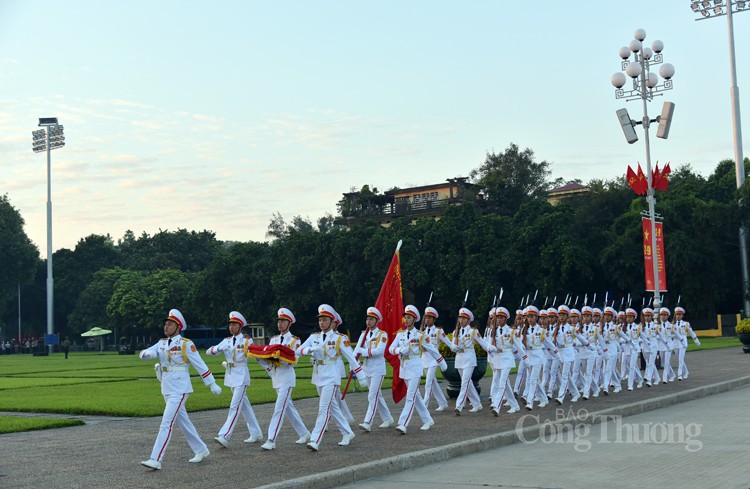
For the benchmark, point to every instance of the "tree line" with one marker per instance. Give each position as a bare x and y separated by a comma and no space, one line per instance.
513,238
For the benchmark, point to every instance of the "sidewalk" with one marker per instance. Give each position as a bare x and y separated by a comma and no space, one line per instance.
696,444
107,453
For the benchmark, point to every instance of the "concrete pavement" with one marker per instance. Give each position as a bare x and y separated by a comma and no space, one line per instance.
106,453
695,444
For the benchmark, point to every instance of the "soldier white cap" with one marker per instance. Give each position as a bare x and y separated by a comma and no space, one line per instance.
647,311
543,313
551,311
338,319
285,313
465,313
630,312
236,317
519,312
664,310
412,310
374,312
575,312
620,314
177,317
587,310
532,310
324,310
563,309
679,309
493,311
501,311
431,311
610,310
597,311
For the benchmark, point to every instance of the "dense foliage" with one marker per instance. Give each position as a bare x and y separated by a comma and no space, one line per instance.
518,241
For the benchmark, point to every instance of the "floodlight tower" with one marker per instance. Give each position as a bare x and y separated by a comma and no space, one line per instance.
46,139
646,86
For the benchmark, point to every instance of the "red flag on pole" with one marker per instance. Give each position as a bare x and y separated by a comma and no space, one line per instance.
632,179
642,181
655,177
391,303
664,177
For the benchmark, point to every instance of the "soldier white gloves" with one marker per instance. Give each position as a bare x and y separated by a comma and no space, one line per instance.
146,355
697,342
492,349
215,389
362,382
363,352
443,365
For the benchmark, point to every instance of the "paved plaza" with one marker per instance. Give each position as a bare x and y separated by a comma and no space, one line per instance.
106,451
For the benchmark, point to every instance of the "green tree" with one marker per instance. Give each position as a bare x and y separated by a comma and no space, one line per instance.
18,255
512,178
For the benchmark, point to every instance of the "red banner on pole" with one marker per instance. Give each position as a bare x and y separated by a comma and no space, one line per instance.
648,258
391,303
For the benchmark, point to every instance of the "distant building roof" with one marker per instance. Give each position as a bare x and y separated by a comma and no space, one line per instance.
568,187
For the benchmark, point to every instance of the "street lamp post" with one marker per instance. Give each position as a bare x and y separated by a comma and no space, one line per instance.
47,139
646,86
708,11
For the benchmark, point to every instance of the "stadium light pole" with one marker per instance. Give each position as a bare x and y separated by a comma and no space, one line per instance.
645,87
709,11
46,139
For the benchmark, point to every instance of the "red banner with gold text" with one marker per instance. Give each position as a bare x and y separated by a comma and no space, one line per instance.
648,256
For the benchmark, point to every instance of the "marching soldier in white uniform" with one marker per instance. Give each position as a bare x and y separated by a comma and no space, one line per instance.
566,336
650,337
466,360
502,361
588,356
338,321
609,341
326,347
519,326
682,330
536,343
635,333
436,335
409,344
666,345
284,380
371,348
237,378
175,355
551,369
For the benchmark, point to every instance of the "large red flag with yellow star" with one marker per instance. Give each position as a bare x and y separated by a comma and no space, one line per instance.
391,304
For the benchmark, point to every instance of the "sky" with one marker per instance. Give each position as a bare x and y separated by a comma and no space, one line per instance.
216,115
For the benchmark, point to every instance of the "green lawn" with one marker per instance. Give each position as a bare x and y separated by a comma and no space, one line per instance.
14,424
122,385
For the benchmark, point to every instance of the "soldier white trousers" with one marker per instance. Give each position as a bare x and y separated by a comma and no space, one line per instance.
501,390
432,388
682,370
598,369
554,375
345,412
468,391
532,385
520,375
610,364
329,408
376,401
413,401
566,381
666,363
176,414
634,371
240,404
651,374
588,376
284,406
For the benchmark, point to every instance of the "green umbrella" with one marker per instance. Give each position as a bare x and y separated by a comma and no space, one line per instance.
97,331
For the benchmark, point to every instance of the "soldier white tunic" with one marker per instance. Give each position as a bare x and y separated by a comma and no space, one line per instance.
175,355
